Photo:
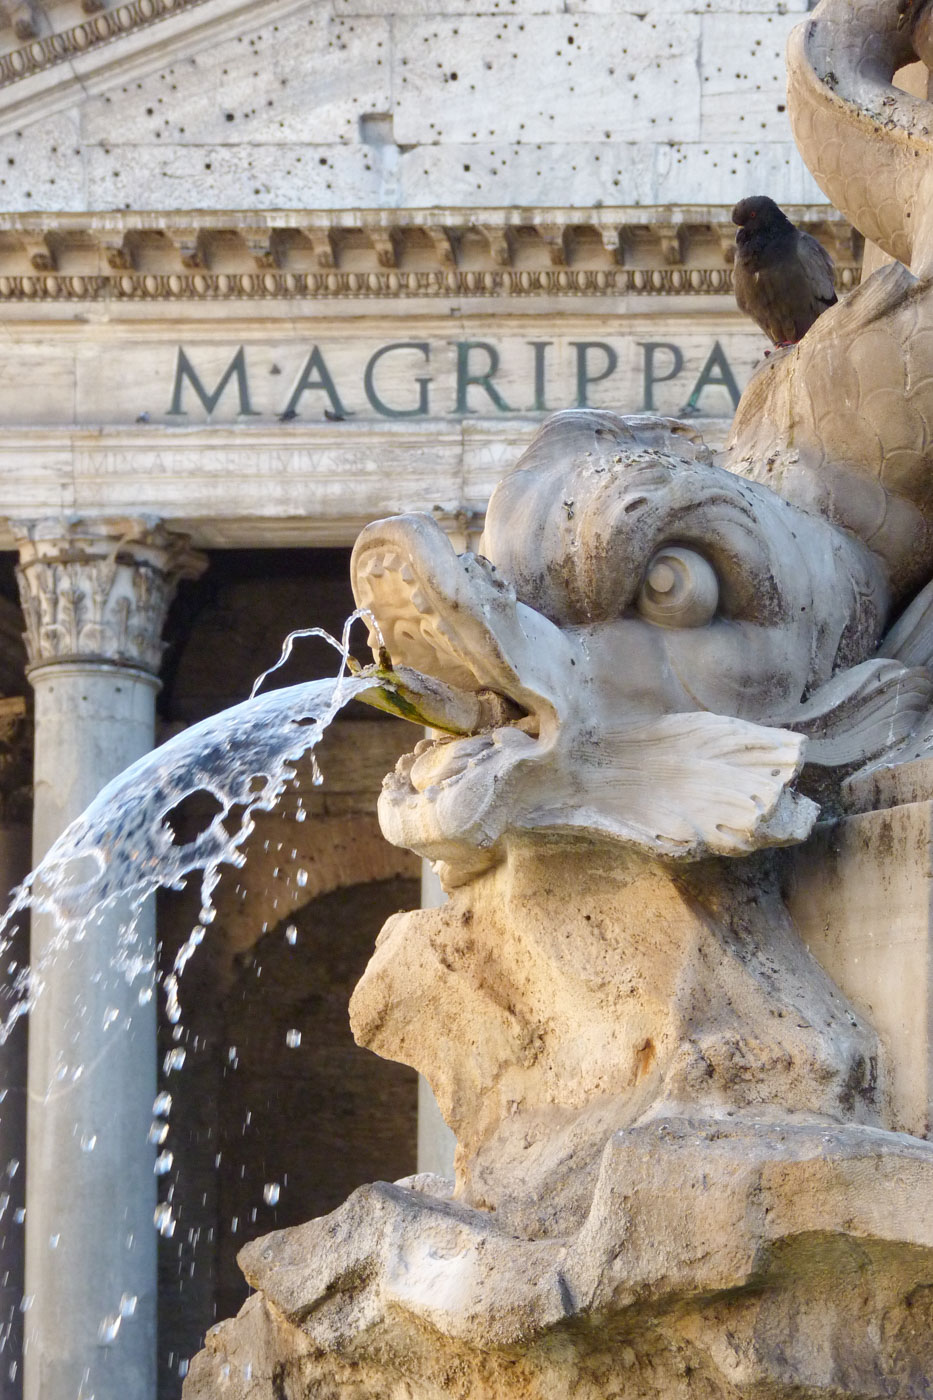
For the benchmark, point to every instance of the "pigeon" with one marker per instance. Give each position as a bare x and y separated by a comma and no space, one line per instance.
783,277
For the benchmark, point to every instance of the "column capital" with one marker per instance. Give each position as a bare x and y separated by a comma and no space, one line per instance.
98,590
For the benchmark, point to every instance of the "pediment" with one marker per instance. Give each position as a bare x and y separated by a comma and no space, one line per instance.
199,66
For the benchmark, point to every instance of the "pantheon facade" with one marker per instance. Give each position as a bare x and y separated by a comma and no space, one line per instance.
269,271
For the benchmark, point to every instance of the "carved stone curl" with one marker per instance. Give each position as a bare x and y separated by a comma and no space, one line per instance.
99,590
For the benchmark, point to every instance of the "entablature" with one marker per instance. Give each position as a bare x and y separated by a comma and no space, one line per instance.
385,253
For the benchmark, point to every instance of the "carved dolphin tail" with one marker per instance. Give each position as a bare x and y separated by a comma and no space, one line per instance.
842,425
868,145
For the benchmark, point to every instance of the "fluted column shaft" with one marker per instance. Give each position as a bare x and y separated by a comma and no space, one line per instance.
95,595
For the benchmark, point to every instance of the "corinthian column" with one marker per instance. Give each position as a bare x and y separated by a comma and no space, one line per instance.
95,594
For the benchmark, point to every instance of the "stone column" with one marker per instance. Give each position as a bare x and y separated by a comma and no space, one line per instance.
15,815
95,595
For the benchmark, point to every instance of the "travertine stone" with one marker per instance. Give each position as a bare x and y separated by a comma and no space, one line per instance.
716,1260
860,893
358,103
867,143
840,423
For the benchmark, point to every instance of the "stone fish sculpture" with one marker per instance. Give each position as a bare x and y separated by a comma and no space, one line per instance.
676,1170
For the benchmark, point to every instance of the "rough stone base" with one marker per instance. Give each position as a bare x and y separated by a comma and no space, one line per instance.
718,1261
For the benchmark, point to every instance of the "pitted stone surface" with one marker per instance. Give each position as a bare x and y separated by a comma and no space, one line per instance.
362,104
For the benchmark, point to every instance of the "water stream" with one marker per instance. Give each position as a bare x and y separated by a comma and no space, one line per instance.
123,846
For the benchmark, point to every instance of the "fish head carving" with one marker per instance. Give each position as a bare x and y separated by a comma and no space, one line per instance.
664,630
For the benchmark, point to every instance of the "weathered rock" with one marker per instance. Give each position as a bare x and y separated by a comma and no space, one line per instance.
716,1261
568,993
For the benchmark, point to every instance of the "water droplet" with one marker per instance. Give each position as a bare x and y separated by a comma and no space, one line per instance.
232,1058
183,1368
12,1371
302,877
163,1220
291,935
26,1302
110,1015
128,1304
163,1163
234,1224
54,1241
271,1192
145,996
301,815
19,1215
88,1142
293,1039
248,1371
12,1167
173,1060
108,1329
162,1105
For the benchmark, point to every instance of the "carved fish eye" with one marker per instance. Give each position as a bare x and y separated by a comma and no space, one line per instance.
680,589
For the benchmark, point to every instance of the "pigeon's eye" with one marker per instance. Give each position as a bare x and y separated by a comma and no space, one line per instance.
680,589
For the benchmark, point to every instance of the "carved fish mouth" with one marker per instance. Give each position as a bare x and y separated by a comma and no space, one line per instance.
454,618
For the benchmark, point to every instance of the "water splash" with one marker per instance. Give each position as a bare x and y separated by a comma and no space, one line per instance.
123,847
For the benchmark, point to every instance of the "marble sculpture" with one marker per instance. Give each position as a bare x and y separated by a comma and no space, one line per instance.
676,1172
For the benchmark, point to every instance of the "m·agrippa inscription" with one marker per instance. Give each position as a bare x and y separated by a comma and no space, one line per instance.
442,378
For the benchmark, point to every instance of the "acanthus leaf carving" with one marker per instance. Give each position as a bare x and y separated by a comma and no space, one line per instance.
99,590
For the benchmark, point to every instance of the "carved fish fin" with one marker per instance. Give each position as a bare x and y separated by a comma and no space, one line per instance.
695,784
862,712
910,640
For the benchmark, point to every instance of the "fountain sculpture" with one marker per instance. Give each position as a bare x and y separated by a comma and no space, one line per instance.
676,1169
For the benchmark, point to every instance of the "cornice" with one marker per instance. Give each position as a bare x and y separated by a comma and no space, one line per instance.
386,254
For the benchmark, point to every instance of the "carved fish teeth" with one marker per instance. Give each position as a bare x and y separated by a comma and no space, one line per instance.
418,600
392,562
407,573
375,568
